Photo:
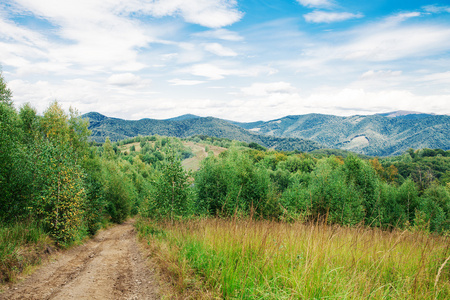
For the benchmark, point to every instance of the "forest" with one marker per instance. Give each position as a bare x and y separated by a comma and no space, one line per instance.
59,188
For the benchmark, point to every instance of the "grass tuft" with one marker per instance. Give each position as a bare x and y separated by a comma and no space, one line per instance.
21,245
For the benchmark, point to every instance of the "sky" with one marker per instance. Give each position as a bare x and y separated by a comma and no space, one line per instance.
238,60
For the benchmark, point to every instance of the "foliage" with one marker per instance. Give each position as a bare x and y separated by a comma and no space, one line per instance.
232,184
5,92
170,195
119,192
59,193
15,165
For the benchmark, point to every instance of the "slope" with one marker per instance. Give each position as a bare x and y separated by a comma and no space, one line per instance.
371,135
118,129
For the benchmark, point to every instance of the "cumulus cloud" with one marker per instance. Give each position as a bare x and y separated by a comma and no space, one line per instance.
213,13
219,50
88,34
329,17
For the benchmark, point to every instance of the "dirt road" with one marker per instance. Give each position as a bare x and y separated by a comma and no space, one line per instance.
107,267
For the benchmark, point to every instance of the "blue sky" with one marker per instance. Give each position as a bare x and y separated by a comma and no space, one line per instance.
240,60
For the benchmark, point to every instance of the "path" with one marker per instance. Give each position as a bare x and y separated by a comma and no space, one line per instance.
109,266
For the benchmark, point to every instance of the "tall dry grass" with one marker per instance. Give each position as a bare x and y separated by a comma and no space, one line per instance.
247,259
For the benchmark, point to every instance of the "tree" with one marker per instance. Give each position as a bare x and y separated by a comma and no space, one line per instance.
59,187
5,92
171,189
59,191
14,164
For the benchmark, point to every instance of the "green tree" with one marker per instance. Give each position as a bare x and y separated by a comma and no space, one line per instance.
118,191
171,190
5,92
15,164
59,191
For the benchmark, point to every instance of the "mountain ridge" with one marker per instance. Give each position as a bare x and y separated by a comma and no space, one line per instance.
118,129
375,135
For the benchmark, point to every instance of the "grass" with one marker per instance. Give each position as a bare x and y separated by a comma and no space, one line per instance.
199,152
246,259
21,245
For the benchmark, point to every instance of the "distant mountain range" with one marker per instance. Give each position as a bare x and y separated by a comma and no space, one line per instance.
375,135
186,126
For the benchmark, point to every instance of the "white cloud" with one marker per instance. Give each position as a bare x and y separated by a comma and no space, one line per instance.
384,41
212,13
124,79
221,34
359,101
329,17
265,89
316,3
214,72
371,74
210,71
399,18
397,43
436,9
219,50
443,77
91,34
177,81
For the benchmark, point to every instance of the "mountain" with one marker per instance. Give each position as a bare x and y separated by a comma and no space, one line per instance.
406,114
186,126
183,117
375,135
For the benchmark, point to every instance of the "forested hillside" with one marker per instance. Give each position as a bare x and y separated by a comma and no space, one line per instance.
375,135
118,129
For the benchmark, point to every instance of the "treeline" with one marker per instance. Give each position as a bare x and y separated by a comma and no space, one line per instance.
292,186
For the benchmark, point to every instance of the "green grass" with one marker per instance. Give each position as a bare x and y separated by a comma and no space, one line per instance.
248,259
21,245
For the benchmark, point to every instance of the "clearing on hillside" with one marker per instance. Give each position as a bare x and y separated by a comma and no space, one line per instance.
200,153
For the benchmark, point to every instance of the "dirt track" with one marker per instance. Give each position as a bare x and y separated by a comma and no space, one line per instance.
107,267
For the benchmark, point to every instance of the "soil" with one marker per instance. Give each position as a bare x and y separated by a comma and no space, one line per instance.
109,266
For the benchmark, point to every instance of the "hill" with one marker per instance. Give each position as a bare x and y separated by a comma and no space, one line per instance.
376,135
118,129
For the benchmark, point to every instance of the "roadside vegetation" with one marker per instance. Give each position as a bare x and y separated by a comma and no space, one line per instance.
262,259
241,221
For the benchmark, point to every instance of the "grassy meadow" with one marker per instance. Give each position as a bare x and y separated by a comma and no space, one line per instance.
247,259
